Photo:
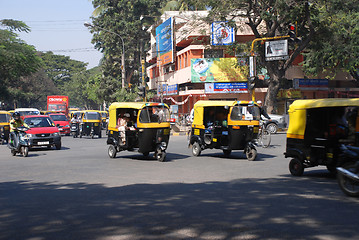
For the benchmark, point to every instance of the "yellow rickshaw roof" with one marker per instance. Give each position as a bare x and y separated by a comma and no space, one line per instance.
4,112
214,103
135,105
327,102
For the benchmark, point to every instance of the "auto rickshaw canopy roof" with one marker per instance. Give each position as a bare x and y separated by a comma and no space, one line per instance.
134,105
298,109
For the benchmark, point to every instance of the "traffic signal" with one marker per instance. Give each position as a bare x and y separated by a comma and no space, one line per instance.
142,91
292,32
251,83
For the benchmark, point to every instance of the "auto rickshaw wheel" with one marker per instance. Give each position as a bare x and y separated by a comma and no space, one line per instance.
196,149
146,154
349,186
58,146
296,167
112,151
332,169
251,154
100,134
13,152
227,152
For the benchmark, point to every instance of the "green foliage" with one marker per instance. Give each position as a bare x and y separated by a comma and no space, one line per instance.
17,59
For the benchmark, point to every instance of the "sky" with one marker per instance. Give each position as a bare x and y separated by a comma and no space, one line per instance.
56,25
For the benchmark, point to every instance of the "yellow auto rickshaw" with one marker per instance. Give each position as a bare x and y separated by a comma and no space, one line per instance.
104,119
226,125
90,123
147,128
317,128
4,126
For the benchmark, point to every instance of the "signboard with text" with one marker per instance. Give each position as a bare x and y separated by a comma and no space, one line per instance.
276,50
164,41
241,87
310,84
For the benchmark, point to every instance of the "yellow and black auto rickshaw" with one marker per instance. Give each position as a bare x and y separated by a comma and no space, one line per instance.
147,129
226,125
316,130
4,126
90,123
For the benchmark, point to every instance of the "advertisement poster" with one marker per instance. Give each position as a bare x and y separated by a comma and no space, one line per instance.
226,87
217,70
164,41
276,50
168,89
221,34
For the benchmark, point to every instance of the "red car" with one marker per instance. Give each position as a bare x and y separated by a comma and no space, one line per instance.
42,132
62,122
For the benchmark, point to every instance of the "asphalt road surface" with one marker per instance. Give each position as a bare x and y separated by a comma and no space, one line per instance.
78,192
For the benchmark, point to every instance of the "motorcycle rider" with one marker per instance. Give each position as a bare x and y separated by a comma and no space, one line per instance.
16,122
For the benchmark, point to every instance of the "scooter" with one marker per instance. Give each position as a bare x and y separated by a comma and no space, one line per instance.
348,173
74,129
24,143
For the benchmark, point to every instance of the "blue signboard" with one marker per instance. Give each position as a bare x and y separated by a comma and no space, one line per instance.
310,84
164,41
221,34
240,87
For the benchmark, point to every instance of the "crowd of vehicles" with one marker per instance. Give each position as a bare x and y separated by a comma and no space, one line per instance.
320,132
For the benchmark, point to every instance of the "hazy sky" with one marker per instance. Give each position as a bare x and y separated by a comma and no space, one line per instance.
56,25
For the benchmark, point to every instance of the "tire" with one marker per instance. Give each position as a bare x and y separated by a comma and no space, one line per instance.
160,155
272,128
58,146
332,169
265,138
100,134
296,167
112,151
349,186
13,152
227,153
251,153
25,151
196,149
146,154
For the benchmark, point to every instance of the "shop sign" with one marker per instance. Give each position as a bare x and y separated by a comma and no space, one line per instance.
310,84
226,87
221,34
167,89
276,50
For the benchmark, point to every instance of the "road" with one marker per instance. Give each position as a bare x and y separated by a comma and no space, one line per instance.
78,192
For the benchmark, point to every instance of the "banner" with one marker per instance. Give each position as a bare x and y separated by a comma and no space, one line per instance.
226,87
217,70
167,89
164,41
221,34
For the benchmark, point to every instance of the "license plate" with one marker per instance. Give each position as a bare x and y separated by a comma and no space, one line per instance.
43,143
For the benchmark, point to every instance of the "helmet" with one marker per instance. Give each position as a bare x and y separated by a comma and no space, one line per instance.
16,115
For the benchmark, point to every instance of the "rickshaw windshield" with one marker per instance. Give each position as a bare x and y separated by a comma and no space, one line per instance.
92,116
245,112
154,114
4,117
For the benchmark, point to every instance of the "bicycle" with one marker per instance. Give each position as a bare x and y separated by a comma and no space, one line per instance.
264,136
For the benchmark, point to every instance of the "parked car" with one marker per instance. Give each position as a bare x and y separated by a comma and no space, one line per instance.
276,122
62,122
42,132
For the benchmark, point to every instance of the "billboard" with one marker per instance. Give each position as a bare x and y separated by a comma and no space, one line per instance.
276,50
168,89
221,34
241,87
217,70
164,41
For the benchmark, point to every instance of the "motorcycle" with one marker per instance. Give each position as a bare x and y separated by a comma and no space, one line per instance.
24,144
348,174
74,129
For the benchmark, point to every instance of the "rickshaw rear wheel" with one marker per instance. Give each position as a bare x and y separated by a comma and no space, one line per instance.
227,152
25,151
296,167
196,149
251,154
13,152
112,151
349,186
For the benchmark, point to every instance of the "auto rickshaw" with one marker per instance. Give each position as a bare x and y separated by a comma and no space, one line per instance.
147,130
90,123
317,128
4,126
226,125
104,119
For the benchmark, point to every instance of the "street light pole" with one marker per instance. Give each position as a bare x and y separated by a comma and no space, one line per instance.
123,69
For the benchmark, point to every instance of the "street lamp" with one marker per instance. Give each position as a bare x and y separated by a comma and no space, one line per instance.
123,69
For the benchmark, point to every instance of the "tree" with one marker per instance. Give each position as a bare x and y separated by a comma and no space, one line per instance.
336,47
269,18
123,18
61,68
17,59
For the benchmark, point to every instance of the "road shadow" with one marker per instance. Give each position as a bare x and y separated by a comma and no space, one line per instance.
139,156
284,208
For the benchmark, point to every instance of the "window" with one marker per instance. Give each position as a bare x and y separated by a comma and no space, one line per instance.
153,114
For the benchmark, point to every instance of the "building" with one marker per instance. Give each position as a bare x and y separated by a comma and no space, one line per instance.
188,63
